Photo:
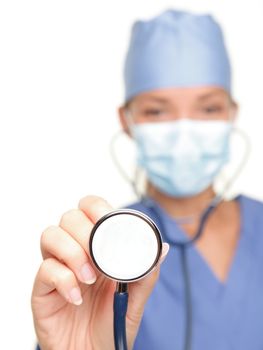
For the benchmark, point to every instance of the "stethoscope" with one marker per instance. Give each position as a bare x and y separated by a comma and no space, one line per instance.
112,250
125,246
118,237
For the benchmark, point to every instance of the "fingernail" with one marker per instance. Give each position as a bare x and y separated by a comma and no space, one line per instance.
165,251
166,248
75,296
87,274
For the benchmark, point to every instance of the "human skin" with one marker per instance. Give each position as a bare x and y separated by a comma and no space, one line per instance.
72,311
218,242
72,304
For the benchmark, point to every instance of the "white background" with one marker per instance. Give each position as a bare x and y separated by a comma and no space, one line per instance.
60,85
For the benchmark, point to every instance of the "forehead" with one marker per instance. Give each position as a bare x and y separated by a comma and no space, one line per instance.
181,95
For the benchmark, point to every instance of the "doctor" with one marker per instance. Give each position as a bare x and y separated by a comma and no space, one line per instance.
179,109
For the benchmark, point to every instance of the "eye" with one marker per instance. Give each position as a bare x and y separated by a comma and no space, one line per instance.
212,109
153,111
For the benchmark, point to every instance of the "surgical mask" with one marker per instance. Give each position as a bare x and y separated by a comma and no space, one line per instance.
182,158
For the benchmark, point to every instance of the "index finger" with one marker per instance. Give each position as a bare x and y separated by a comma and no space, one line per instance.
79,222
94,207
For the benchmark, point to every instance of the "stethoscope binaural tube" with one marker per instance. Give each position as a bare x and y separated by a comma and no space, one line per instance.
125,245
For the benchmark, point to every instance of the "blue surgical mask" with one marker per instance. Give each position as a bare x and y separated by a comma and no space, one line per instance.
182,158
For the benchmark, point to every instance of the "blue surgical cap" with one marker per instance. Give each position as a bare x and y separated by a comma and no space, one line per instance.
176,49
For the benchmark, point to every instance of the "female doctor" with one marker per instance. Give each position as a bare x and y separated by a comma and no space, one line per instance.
180,112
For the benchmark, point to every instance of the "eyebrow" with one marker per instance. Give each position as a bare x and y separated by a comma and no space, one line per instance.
209,95
157,99
201,97
165,100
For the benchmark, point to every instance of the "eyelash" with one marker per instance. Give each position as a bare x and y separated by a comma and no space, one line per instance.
153,111
213,109
156,112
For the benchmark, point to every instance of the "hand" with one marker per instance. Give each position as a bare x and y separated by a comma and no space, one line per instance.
72,303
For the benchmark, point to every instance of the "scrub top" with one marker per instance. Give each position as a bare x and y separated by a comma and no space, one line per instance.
226,316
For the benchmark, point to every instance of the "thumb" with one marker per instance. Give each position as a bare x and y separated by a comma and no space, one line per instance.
138,294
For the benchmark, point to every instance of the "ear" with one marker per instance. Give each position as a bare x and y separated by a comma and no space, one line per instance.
123,120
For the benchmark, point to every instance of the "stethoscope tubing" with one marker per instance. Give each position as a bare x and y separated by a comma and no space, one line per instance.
120,305
183,246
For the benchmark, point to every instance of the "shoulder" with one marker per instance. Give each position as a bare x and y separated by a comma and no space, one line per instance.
252,227
252,218
252,207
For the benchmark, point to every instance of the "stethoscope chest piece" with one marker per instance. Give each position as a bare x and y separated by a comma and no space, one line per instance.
125,245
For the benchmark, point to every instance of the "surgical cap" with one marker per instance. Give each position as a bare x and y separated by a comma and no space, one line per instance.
176,49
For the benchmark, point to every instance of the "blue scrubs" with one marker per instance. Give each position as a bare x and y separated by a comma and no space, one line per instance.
226,316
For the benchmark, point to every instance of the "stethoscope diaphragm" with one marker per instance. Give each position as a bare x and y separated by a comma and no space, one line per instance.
125,245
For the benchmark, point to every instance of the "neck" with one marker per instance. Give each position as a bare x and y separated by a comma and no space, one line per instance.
181,207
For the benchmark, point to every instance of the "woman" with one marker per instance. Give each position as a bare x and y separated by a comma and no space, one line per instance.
180,112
